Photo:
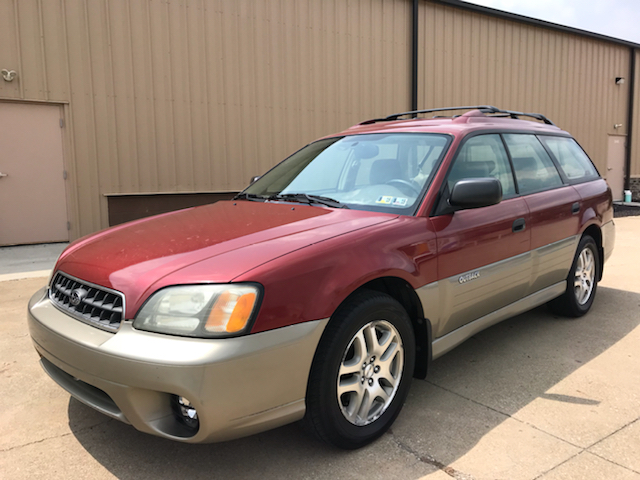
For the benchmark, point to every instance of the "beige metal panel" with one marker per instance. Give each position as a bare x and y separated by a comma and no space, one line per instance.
10,52
469,59
55,64
79,42
197,121
143,96
31,52
199,95
161,72
635,146
181,96
101,99
120,33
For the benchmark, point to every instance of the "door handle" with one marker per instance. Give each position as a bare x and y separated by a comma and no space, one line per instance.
518,225
3,174
575,208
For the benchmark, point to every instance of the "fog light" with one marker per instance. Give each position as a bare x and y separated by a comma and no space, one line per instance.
185,412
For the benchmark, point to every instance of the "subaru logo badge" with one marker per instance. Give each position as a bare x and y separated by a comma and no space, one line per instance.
77,296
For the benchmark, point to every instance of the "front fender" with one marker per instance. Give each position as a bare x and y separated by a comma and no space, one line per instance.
310,283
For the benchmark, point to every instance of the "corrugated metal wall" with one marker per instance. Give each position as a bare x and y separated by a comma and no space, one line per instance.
635,145
470,59
199,95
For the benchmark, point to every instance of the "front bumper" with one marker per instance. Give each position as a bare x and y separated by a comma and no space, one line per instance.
238,386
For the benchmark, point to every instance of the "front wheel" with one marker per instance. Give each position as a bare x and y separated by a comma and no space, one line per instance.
582,281
361,372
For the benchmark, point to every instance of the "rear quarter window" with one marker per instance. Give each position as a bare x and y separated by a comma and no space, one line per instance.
575,164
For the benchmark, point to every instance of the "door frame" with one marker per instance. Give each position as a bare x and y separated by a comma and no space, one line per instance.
624,172
68,159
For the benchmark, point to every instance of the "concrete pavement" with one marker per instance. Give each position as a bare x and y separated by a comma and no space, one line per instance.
535,397
28,261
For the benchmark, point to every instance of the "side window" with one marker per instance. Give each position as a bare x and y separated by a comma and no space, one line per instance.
534,168
572,160
483,156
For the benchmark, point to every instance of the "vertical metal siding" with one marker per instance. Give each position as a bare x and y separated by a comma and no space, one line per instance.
199,95
471,59
9,53
635,146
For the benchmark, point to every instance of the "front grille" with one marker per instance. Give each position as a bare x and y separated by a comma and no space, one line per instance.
98,306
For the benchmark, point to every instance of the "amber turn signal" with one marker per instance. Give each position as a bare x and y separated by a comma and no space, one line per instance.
231,311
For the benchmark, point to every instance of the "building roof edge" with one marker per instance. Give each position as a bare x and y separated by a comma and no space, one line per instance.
494,12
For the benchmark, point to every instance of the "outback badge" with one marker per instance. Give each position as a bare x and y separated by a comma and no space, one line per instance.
468,277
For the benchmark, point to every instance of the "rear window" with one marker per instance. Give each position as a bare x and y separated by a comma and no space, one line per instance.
480,157
534,168
572,160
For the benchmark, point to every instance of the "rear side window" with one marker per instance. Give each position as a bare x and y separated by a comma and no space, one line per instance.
483,156
534,168
572,160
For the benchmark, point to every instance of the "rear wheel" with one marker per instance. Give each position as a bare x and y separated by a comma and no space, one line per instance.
582,281
361,372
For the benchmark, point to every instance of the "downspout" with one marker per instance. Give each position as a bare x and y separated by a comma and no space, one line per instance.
414,57
632,84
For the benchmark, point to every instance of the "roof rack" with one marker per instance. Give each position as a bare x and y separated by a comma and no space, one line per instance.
482,108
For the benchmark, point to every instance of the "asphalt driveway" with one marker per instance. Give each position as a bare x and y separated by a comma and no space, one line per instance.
534,397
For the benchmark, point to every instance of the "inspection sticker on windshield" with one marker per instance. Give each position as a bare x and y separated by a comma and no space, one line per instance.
385,199
401,202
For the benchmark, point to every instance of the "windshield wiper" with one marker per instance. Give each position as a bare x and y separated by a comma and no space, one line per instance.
249,196
308,199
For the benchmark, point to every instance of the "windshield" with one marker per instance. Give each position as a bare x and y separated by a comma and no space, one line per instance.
379,172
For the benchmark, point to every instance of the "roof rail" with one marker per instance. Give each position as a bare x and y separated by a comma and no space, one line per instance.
482,108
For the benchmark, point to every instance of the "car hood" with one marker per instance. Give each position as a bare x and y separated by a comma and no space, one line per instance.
214,243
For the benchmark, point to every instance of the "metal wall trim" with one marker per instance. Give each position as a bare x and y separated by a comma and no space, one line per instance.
630,104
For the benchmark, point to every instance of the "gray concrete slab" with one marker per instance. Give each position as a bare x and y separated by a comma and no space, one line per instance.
534,397
28,261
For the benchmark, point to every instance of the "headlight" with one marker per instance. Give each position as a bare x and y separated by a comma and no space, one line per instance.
199,310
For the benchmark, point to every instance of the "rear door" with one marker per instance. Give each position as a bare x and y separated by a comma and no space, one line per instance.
554,209
483,254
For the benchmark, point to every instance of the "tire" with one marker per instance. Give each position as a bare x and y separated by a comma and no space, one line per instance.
358,383
582,281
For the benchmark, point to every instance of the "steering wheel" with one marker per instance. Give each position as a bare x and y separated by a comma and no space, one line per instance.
400,183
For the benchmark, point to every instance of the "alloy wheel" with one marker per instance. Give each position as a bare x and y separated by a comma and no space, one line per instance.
370,372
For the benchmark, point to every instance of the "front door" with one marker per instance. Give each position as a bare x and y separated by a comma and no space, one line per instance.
484,260
615,165
33,207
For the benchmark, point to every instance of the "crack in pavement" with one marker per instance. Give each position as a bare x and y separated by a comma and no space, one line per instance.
62,435
429,460
506,415
587,449
581,449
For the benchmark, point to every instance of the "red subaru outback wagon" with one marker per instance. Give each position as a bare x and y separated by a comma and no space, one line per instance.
325,286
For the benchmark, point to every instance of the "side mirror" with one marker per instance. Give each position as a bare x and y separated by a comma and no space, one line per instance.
253,179
475,193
